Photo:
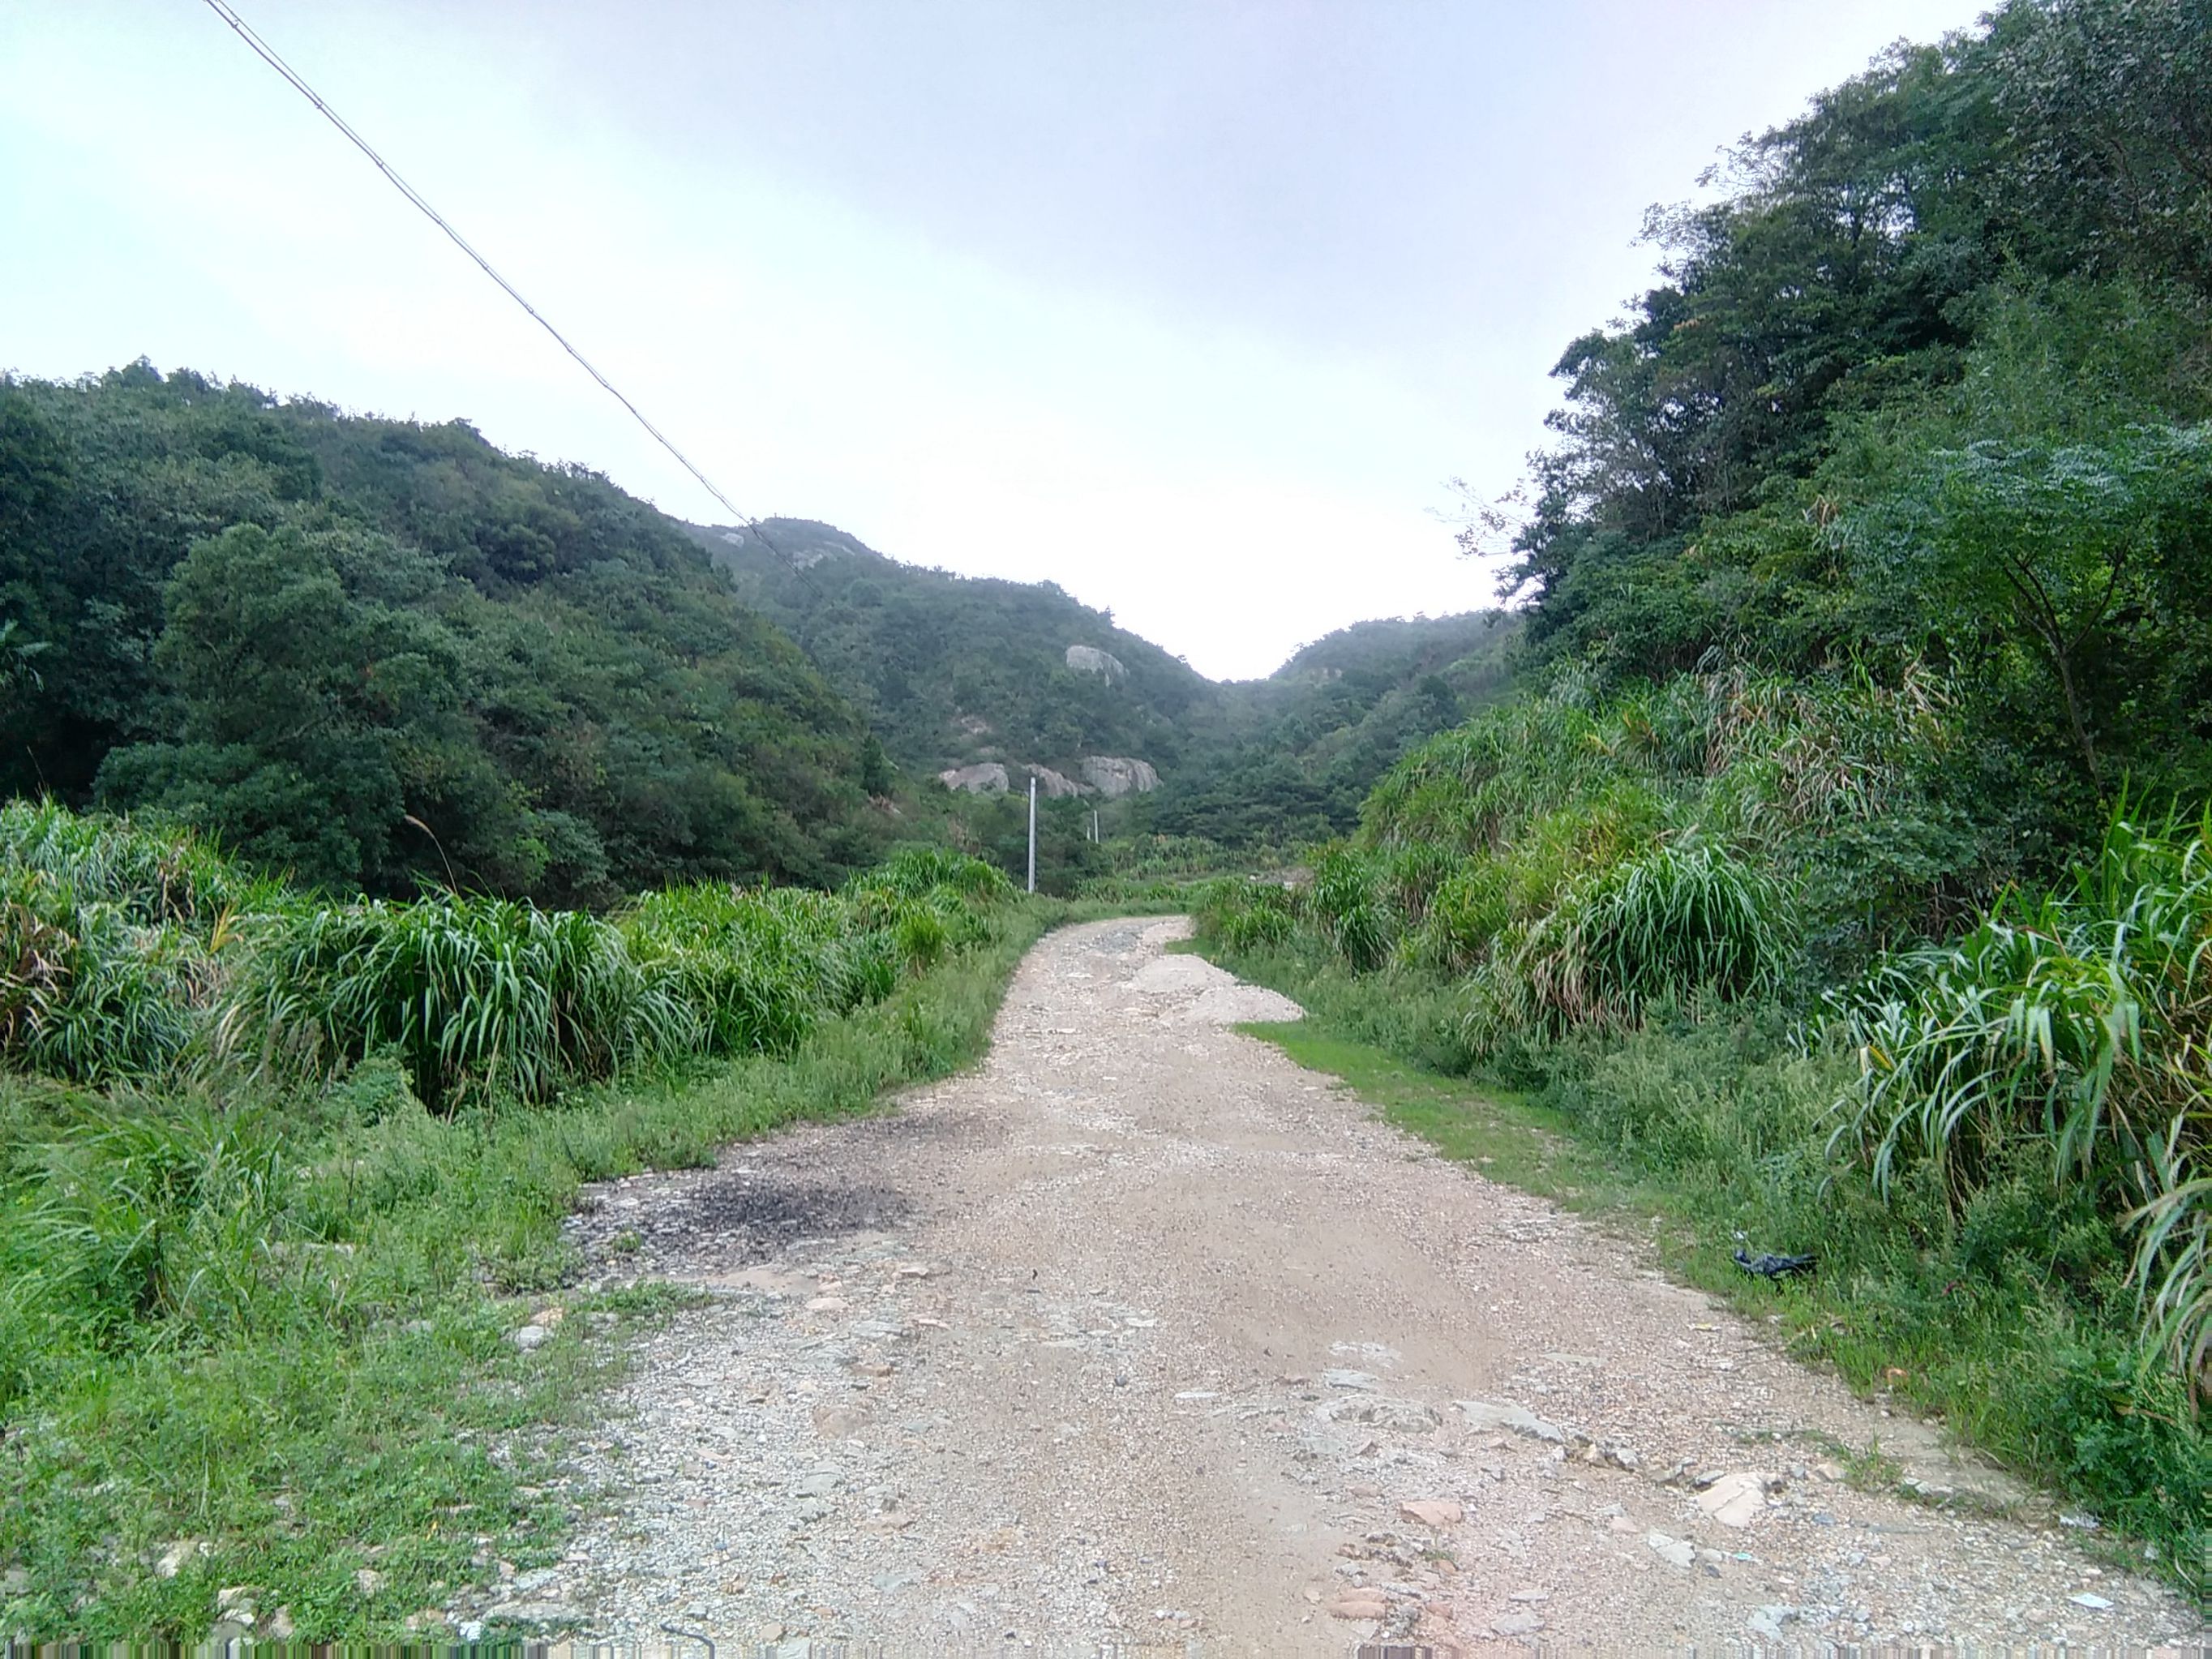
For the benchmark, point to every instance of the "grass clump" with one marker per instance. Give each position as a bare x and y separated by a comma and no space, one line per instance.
2077,1023
490,994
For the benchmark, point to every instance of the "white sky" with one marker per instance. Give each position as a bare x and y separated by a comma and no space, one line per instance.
1191,308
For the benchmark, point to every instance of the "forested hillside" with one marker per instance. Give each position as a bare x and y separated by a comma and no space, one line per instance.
365,652
1289,756
955,669
1926,391
1842,867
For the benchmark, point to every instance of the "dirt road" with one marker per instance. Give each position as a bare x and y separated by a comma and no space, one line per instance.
1140,1337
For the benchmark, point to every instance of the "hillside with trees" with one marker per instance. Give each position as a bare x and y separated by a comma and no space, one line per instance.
956,669
1289,756
367,653
1841,867
952,670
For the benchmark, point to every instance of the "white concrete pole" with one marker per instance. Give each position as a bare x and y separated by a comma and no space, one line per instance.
1033,832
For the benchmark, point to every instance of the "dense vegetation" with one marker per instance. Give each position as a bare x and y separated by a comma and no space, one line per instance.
1838,862
1292,756
1842,865
276,1170
954,670
369,652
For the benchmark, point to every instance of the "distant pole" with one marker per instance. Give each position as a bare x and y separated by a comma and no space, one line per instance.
1033,833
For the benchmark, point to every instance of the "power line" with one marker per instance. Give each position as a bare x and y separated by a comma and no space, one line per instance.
268,55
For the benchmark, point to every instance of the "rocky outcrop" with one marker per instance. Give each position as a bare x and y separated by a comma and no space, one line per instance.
1114,775
1053,785
1089,659
989,778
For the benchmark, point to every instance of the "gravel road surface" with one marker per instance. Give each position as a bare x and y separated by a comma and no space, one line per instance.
1141,1338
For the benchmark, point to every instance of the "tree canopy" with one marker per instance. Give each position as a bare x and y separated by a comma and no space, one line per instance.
370,652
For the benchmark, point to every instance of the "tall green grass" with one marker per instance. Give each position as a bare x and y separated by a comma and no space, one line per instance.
130,953
491,994
2077,1023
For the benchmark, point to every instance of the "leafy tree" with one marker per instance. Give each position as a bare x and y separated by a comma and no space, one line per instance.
376,653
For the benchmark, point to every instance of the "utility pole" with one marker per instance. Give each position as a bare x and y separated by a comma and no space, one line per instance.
1033,832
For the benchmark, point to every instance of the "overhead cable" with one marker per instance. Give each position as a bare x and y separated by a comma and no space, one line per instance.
268,55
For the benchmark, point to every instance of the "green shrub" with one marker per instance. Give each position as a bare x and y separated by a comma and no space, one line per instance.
914,871
471,993
153,874
1682,920
86,992
1246,914
2079,1023
1350,903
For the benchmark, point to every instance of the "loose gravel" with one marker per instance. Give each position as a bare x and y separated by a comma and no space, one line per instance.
1141,1338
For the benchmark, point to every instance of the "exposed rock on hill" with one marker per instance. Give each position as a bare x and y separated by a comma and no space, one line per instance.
1114,775
987,778
1053,785
1089,659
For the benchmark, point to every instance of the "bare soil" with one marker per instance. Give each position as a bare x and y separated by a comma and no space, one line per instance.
1140,1337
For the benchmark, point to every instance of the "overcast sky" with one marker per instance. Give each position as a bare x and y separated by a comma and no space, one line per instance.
1191,308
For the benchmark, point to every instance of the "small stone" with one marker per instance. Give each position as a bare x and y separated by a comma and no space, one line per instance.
1736,1500
16,1581
1529,1596
1516,1624
531,1336
840,1422
1398,1416
1433,1511
1336,1377
1494,1414
369,1580
472,1629
871,1368
1768,1621
1357,1603
234,1601
827,1304
1621,1457
548,1317
1675,1552
279,1627
887,1521
1829,1470
913,1270
2095,1603
821,1484
173,1559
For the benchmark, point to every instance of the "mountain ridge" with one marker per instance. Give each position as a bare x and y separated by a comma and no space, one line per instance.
984,679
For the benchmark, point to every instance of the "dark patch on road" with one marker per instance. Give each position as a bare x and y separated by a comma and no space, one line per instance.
723,1219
